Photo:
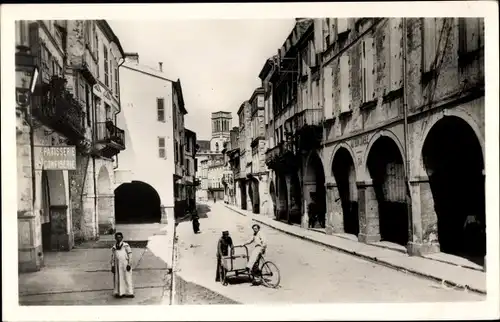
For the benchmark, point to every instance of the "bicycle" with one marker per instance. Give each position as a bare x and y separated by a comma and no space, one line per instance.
264,270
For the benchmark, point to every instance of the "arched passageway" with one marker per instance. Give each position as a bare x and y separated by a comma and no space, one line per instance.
282,204
314,189
243,195
386,168
272,193
454,163
54,209
345,177
295,216
137,202
105,202
253,191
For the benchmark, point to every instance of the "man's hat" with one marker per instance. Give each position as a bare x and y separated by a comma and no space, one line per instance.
225,233
256,225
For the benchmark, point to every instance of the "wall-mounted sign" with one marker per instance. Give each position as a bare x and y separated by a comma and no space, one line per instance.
58,157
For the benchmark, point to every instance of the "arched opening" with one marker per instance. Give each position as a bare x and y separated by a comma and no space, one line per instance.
454,163
243,195
54,209
272,193
282,205
253,190
345,177
386,168
295,216
314,188
105,202
137,202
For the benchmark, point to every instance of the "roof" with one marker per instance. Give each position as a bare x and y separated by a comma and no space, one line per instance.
135,66
267,67
192,133
108,32
178,89
241,107
257,91
203,144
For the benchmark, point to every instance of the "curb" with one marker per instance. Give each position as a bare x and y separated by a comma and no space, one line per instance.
369,258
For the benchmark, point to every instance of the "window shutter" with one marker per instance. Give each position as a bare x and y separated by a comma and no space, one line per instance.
370,69
342,25
472,30
318,35
344,83
429,44
396,61
328,91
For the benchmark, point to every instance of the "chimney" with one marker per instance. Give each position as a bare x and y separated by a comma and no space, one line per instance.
132,57
160,64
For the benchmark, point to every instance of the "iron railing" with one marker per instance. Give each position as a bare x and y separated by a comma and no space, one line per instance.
108,132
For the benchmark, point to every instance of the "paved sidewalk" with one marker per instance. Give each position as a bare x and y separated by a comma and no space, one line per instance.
434,269
82,276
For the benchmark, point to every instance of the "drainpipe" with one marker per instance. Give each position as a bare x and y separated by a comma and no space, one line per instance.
405,116
119,103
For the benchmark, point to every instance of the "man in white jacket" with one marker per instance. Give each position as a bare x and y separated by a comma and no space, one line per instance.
260,246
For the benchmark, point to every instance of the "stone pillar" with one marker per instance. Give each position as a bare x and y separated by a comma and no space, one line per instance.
166,213
264,198
237,193
30,254
334,213
369,225
106,209
249,200
424,231
290,199
308,187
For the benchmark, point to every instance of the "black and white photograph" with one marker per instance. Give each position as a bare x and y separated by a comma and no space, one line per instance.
231,156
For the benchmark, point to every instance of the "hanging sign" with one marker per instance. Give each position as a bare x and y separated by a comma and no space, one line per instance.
57,157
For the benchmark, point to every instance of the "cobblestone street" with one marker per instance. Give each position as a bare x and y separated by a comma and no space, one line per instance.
309,273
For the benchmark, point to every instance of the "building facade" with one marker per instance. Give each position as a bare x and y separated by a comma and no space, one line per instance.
383,120
153,116
210,151
191,167
63,202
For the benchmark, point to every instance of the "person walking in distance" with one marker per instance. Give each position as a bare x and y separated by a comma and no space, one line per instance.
259,249
312,210
121,259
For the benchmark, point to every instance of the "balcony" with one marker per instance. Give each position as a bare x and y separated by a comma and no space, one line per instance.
282,157
87,65
308,128
59,110
109,140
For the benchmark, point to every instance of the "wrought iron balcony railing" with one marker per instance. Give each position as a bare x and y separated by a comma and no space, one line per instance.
58,109
108,132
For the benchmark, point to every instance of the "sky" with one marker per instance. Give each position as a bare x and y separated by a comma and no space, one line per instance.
218,61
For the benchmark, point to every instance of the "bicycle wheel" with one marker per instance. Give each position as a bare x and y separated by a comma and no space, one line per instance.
270,274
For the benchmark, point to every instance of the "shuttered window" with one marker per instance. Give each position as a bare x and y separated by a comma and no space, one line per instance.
429,46
344,84
367,69
328,91
469,34
161,148
396,60
160,106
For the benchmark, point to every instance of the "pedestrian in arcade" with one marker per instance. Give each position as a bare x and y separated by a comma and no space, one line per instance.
121,259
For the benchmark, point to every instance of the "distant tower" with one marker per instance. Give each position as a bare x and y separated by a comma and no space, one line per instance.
221,127
221,124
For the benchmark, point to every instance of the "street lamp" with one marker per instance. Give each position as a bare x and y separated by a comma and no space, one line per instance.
26,76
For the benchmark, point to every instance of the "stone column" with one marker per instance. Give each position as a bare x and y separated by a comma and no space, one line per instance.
424,233
106,209
334,212
290,199
369,225
30,254
308,187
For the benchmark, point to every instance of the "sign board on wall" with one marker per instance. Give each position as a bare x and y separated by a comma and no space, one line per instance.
57,157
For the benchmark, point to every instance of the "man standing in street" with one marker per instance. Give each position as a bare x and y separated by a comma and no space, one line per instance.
121,259
223,246
260,247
